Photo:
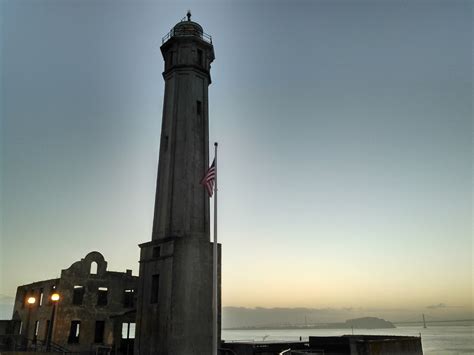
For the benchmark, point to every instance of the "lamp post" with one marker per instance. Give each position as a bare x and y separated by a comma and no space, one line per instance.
29,302
55,299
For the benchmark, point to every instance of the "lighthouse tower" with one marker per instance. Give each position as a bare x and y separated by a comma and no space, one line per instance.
174,310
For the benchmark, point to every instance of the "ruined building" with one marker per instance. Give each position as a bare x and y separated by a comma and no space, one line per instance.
95,310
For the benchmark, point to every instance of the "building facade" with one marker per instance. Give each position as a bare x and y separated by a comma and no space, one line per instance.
95,311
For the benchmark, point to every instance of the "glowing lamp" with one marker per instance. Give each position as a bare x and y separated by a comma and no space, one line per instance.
55,297
31,300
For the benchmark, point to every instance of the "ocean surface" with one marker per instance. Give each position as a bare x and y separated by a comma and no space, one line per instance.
438,338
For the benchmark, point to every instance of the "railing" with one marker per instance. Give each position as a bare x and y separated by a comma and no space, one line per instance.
186,32
21,343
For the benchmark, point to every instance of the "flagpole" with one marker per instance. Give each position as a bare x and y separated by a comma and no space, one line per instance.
215,263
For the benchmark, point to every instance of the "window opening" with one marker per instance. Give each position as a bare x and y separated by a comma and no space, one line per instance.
74,332
93,270
41,298
156,252
198,108
102,296
78,295
131,331
124,330
155,285
36,328
99,331
128,330
199,53
128,297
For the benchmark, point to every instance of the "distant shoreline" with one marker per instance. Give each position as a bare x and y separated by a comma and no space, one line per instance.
297,327
338,325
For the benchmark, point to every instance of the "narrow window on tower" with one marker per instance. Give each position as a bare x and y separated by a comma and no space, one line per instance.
156,252
155,287
199,54
41,298
78,295
74,332
102,296
198,108
99,331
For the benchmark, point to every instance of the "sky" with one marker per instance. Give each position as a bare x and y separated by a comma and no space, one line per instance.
345,146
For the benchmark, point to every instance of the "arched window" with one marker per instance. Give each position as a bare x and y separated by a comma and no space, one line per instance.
94,268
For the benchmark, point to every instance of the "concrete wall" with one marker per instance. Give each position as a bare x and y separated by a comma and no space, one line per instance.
181,321
182,204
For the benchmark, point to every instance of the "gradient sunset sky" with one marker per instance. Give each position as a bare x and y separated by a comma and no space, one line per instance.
345,134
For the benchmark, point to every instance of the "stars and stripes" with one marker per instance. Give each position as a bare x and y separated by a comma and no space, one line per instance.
208,179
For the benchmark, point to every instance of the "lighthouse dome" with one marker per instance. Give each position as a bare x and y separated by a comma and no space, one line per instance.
187,28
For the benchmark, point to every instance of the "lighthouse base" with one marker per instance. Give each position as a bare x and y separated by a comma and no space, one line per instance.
174,310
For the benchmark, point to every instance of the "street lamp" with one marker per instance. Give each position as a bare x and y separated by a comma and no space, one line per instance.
30,302
55,299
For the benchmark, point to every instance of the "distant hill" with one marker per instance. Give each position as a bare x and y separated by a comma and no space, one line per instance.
356,323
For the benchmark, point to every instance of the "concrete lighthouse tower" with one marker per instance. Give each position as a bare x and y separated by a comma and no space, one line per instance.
174,310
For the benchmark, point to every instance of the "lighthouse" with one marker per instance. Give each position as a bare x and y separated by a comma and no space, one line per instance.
174,309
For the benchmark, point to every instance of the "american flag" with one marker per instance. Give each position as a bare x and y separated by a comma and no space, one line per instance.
208,179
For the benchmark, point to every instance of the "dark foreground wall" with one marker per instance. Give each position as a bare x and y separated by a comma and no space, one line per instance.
342,345
391,346
261,348
367,345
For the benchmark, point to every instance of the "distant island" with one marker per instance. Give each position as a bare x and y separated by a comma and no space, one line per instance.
357,323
